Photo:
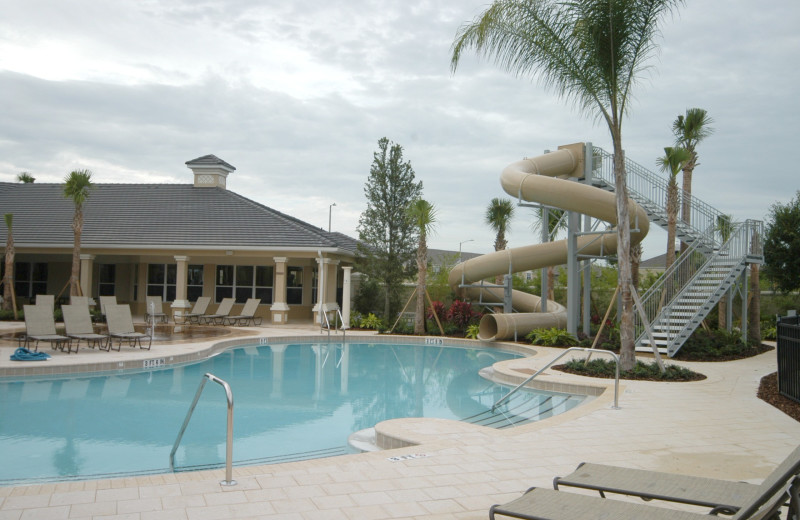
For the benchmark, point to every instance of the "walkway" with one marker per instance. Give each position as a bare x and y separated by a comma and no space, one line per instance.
715,428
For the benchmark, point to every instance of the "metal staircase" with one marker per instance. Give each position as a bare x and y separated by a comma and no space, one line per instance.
715,261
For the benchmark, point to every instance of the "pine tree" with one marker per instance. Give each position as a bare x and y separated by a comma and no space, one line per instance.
386,233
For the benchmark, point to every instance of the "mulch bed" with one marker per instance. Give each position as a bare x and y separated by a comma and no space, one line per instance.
768,392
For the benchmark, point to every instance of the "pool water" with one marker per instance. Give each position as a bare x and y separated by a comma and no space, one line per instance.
292,402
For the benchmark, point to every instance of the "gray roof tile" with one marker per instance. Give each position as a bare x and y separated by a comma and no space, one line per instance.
158,215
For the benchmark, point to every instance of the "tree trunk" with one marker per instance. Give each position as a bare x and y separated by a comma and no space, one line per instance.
74,279
551,283
722,310
636,258
626,333
754,309
672,217
686,206
500,244
422,268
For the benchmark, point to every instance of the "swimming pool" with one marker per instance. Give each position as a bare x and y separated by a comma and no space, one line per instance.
292,402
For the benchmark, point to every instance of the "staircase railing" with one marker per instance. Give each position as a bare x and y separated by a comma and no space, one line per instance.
658,299
644,185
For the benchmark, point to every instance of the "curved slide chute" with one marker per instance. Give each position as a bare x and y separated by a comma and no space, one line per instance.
544,180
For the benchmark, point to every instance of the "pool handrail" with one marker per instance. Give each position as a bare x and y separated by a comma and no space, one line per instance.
229,442
326,325
548,365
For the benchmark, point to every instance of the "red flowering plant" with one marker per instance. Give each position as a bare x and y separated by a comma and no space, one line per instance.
461,314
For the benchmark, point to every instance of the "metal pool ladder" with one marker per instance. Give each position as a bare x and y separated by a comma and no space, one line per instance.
229,445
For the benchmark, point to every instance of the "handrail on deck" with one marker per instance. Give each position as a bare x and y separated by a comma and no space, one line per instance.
548,365
229,443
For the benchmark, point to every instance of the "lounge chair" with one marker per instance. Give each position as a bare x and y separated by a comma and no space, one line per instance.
548,504
48,300
723,496
105,301
120,326
79,300
154,310
41,326
79,327
222,313
758,501
248,315
199,309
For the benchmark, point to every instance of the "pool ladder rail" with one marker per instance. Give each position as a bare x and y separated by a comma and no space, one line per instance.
325,323
229,443
548,365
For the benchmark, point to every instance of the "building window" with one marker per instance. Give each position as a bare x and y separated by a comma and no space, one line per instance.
30,279
243,282
194,283
294,286
161,280
107,279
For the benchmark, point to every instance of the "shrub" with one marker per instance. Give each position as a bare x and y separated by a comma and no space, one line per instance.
372,322
436,308
9,315
646,371
473,330
355,319
461,314
552,337
711,345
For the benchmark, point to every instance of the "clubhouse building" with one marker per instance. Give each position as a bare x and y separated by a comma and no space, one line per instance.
177,241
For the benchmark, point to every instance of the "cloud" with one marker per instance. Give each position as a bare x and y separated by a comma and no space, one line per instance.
297,94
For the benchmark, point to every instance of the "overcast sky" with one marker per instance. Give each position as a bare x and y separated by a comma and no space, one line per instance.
296,94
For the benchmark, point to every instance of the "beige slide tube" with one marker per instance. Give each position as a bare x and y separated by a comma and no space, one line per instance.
544,180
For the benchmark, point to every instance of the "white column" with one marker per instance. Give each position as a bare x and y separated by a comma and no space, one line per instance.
346,270
181,303
279,308
87,265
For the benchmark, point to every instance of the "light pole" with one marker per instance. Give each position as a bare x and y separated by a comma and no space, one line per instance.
330,211
459,248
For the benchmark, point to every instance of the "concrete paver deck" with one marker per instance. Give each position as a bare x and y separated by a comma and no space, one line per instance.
714,428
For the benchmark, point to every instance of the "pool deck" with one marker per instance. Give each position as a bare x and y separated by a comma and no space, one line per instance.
713,428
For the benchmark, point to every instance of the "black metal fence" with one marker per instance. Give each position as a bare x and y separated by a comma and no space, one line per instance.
789,357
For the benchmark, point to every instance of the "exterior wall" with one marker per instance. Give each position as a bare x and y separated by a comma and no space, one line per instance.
132,267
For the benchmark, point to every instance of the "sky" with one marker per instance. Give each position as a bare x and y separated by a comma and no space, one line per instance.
297,94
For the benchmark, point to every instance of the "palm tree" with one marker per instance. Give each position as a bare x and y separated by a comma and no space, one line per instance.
689,131
76,187
724,227
25,178
673,161
423,214
498,216
555,224
8,276
590,52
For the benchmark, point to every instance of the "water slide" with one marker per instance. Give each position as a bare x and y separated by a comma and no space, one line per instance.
544,180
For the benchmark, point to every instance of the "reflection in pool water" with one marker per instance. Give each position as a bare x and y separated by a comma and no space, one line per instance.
292,402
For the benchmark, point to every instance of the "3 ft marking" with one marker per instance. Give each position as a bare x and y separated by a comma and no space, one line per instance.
154,363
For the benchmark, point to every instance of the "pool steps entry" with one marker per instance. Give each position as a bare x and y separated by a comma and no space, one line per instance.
229,440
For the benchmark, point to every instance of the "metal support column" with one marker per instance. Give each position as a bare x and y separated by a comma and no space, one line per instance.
573,276
545,238
588,164
745,315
